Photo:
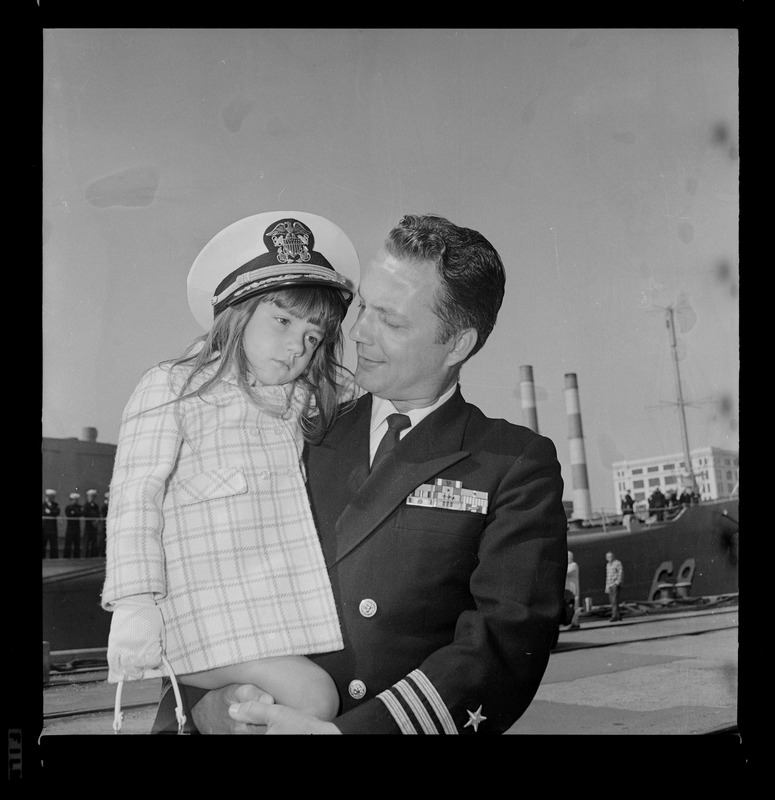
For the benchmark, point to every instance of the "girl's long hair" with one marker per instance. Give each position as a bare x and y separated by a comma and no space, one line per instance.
328,382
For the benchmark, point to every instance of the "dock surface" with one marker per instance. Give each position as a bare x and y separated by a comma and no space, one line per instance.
675,674
667,674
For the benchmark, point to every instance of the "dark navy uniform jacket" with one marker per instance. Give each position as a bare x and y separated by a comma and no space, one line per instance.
74,512
448,615
50,510
91,511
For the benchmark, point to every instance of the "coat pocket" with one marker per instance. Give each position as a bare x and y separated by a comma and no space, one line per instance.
211,485
440,520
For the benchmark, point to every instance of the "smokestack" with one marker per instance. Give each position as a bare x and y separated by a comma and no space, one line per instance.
88,434
527,392
582,505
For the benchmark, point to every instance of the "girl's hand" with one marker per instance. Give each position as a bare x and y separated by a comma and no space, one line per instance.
136,640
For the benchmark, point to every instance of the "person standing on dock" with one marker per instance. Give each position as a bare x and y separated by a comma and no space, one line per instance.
74,513
614,575
573,585
50,529
91,530
103,524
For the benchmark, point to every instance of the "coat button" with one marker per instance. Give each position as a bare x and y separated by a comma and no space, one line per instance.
367,607
357,689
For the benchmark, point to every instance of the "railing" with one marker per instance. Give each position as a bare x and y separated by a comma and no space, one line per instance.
612,519
605,518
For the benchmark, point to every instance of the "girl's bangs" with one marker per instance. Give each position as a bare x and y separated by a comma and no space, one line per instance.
317,304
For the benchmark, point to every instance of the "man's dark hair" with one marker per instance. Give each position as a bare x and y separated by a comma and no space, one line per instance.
469,267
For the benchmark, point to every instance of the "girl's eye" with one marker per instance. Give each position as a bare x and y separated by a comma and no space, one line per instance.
282,320
312,339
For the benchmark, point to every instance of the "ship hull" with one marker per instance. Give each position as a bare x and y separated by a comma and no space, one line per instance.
693,555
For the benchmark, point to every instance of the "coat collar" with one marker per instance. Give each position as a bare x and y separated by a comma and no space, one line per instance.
365,498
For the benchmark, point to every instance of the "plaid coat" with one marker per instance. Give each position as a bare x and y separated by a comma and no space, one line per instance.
209,512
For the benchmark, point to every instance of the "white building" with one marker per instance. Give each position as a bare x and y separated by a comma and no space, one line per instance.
716,471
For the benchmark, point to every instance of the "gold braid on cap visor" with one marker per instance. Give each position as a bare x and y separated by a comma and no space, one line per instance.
266,276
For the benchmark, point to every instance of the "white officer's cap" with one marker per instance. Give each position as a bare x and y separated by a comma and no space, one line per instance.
269,251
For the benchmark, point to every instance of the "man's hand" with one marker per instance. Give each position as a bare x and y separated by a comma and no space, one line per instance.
211,714
277,719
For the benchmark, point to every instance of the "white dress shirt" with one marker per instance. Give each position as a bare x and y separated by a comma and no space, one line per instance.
381,409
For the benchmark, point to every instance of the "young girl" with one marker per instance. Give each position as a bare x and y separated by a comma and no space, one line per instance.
214,571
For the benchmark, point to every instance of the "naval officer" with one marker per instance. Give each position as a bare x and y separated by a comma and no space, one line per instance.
74,514
448,555
91,513
50,524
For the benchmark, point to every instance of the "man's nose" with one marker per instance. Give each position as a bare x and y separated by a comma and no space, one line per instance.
361,331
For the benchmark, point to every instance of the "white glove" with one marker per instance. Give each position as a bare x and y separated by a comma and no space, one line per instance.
136,640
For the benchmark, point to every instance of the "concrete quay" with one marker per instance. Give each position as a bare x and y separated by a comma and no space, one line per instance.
671,674
668,674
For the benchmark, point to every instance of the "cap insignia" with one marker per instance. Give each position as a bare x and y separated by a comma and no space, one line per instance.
292,240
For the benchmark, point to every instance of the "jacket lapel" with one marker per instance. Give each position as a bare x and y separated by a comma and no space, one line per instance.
337,468
431,447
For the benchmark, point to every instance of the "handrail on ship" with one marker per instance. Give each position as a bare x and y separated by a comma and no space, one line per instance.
602,518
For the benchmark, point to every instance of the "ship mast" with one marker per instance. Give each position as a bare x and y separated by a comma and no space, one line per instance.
670,322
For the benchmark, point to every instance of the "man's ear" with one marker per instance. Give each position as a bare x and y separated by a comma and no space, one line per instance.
465,341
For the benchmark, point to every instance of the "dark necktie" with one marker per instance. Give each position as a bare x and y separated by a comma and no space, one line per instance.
396,423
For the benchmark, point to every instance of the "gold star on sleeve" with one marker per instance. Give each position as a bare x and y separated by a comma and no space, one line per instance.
474,718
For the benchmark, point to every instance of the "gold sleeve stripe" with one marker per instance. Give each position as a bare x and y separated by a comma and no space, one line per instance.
434,698
396,709
415,704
